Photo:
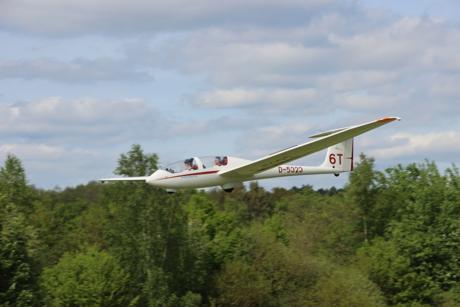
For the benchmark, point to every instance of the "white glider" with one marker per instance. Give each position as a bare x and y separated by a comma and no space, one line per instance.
228,172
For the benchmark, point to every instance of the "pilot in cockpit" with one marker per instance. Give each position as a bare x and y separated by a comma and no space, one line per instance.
188,164
217,161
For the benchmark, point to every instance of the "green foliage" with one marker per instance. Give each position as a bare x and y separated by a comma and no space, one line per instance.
361,191
13,179
69,219
219,230
17,246
389,237
258,201
270,274
323,225
13,185
148,225
346,287
418,258
18,239
136,163
449,298
241,284
89,278
276,274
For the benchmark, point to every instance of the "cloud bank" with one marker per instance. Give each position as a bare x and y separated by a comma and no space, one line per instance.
246,77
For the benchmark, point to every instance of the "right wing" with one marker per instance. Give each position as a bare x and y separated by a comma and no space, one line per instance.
322,141
144,178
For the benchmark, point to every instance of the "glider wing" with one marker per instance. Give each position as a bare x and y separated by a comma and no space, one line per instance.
124,179
321,141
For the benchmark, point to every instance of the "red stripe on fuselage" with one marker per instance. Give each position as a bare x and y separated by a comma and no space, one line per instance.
191,174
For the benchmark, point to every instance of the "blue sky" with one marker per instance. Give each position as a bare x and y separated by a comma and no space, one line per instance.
80,81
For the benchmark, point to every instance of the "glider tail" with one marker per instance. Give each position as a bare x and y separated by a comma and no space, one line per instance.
340,157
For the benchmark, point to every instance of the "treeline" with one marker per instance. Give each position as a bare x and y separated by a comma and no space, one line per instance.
387,238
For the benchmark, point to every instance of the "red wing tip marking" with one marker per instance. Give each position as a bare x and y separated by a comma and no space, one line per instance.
388,119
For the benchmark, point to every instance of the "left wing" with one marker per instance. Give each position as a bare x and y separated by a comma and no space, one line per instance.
322,141
124,179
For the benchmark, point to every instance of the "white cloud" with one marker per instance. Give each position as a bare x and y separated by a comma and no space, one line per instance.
87,120
54,165
32,151
421,145
42,152
98,122
365,101
394,65
351,80
223,124
121,17
263,99
446,86
252,63
272,137
75,71
404,43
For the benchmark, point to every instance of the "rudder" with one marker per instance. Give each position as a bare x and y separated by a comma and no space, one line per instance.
340,157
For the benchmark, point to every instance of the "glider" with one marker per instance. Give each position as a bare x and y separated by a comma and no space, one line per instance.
228,172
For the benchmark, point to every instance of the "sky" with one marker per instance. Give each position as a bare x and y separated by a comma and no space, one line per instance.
81,81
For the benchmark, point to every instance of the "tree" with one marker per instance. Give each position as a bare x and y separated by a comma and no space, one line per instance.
136,163
88,278
418,259
258,201
13,184
323,225
18,239
241,284
57,217
147,224
17,245
346,287
361,190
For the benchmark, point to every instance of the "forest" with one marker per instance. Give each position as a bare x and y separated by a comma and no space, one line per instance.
387,238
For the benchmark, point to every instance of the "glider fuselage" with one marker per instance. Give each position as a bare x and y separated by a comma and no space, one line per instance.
211,176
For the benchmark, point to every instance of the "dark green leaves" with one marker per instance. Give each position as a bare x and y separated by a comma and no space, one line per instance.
132,244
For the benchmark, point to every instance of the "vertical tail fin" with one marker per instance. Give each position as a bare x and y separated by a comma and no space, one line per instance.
340,157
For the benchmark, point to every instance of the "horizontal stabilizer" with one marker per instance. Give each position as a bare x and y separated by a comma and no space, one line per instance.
325,133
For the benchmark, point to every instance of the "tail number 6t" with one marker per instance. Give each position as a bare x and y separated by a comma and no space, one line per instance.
333,158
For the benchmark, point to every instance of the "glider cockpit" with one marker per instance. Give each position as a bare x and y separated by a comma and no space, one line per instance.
197,163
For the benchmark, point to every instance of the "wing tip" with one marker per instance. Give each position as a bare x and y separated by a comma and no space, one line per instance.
388,119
